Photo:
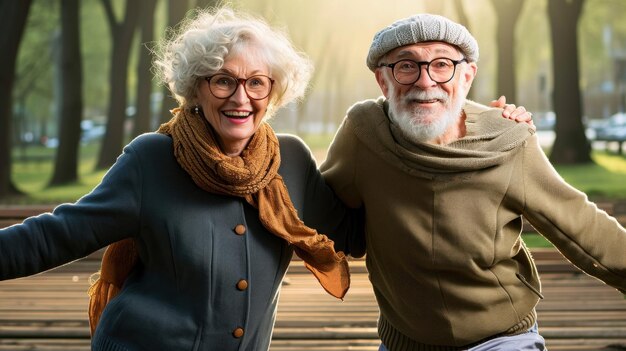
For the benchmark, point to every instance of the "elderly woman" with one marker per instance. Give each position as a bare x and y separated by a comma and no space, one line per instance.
204,215
211,205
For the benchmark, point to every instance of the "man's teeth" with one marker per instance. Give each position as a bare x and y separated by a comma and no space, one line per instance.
236,114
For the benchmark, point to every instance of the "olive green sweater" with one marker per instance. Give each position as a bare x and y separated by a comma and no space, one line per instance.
444,251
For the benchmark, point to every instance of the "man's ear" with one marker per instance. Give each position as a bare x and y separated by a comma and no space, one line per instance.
469,75
382,82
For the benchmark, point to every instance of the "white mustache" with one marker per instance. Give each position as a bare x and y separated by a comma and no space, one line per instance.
427,95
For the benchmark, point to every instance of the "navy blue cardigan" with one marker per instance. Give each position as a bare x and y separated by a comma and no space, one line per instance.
189,291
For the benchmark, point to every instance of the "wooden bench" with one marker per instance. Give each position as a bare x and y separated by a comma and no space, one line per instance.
48,311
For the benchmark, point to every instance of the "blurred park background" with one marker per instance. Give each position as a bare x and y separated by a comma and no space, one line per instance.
76,82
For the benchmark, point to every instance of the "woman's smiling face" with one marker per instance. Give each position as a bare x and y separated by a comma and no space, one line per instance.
235,119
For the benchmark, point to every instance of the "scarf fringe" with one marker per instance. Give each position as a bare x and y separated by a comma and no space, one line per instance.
118,261
100,293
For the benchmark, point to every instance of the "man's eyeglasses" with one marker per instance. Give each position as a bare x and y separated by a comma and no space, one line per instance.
223,86
407,72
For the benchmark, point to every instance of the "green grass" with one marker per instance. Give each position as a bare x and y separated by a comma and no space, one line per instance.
535,240
603,179
32,170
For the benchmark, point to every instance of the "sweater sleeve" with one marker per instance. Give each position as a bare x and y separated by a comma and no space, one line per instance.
339,168
587,236
107,214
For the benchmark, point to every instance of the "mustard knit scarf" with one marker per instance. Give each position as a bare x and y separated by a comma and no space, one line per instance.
253,175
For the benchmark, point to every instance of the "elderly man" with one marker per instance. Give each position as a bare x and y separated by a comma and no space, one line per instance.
445,182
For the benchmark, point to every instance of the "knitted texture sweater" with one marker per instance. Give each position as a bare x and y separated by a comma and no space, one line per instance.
443,225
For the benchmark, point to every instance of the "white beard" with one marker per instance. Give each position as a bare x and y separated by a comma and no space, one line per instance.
416,123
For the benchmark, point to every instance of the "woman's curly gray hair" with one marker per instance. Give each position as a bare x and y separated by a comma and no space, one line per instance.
204,42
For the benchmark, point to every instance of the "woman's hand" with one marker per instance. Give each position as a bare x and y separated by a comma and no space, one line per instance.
510,111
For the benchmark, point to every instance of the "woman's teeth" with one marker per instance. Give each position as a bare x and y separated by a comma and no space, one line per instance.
236,114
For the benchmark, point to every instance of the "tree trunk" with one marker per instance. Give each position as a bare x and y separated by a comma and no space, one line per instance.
507,14
122,35
13,16
571,145
71,101
176,10
143,115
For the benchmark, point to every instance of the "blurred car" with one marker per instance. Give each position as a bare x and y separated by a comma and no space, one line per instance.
544,120
91,131
592,126
612,128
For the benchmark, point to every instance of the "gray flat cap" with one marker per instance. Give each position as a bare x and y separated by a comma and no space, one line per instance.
421,28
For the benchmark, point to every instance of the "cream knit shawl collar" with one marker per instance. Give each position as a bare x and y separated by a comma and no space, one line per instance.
490,141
